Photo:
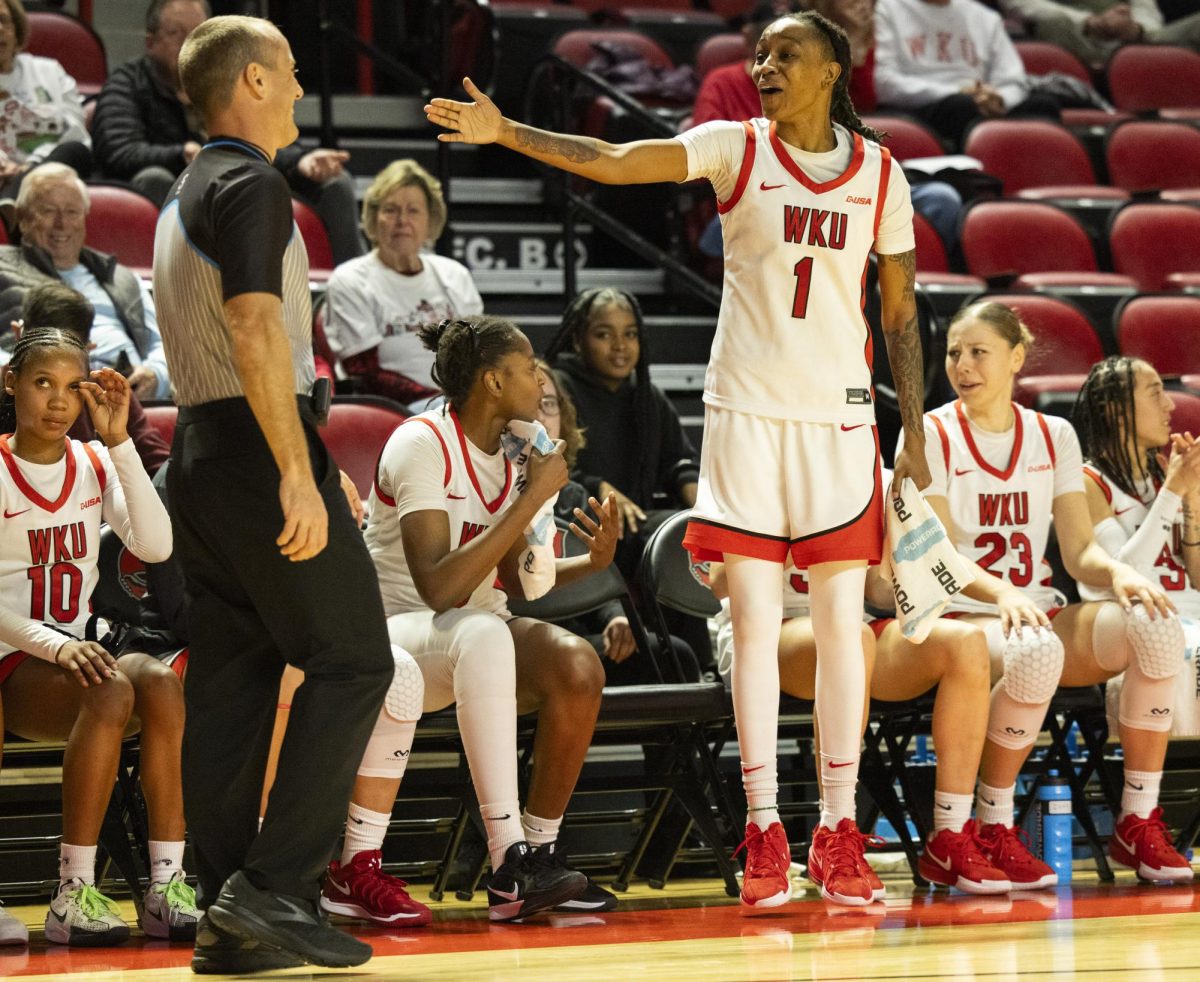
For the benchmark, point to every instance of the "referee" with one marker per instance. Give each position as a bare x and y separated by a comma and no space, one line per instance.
275,567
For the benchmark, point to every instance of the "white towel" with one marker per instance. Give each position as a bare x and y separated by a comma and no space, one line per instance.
922,563
536,567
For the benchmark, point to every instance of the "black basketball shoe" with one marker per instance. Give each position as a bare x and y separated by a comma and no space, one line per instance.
529,881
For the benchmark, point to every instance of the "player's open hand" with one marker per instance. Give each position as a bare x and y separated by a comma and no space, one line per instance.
1017,609
305,521
1130,586
468,122
107,397
628,512
601,537
88,661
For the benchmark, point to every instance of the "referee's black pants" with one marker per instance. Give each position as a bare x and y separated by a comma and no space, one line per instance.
250,612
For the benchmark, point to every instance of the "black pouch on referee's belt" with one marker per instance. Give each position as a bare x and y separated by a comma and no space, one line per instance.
322,399
122,638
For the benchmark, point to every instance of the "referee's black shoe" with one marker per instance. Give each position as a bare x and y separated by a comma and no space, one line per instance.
219,953
530,881
294,925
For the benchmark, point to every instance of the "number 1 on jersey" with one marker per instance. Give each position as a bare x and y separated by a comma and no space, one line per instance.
803,271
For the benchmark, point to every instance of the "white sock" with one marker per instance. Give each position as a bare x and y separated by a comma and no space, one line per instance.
540,831
502,819
994,806
839,778
1139,796
166,859
761,783
951,811
77,863
365,830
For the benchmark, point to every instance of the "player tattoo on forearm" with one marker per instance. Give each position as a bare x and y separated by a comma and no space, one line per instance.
578,150
908,372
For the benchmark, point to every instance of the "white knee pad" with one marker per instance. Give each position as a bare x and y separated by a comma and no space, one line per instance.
407,691
1033,664
391,740
1158,644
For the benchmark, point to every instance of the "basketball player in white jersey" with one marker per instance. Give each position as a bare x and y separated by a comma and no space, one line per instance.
1146,511
448,513
55,684
789,464
1000,472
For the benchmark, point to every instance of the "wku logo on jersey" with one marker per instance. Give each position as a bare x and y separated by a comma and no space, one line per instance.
470,530
1009,508
826,229
68,542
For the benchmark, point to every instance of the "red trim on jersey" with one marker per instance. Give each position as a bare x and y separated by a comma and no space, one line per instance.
859,538
709,542
879,624
388,499
945,438
494,505
885,172
27,489
1096,476
793,168
11,662
96,465
743,177
1049,442
869,343
1018,437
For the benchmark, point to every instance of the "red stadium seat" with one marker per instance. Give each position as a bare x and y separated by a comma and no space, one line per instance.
1165,331
718,50
323,355
1150,156
1041,58
1152,77
1186,415
933,268
1040,244
73,44
316,240
1065,344
906,138
162,417
357,430
1036,159
577,46
122,222
1150,242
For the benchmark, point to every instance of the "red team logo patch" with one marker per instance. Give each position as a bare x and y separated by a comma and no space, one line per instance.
132,576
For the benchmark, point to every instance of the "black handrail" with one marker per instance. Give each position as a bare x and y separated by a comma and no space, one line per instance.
547,68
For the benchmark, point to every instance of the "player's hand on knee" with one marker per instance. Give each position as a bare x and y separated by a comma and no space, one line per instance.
601,538
88,661
305,521
1017,609
353,499
1131,587
618,640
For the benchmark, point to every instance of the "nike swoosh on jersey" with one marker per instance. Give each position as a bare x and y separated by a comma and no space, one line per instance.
959,472
847,429
1123,511
456,497
764,186
14,514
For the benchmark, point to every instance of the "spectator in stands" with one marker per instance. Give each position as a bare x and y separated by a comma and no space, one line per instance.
57,305
606,629
43,110
1094,29
52,212
377,303
147,132
950,63
728,92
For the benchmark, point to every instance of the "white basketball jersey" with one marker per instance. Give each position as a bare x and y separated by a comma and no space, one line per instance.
50,536
1001,515
792,341
469,510
1168,569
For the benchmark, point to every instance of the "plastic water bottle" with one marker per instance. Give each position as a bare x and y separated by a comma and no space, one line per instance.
1052,829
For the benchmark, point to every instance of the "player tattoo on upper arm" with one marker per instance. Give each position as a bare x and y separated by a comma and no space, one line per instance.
579,150
907,261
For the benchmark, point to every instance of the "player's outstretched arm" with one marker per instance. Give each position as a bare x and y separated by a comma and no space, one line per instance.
640,162
897,286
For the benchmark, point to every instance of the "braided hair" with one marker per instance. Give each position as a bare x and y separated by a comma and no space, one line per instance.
837,44
465,346
35,341
1104,417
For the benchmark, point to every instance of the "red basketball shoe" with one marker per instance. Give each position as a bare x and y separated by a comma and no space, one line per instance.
1144,844
956,859
837,862
1005,848
765,883
362,889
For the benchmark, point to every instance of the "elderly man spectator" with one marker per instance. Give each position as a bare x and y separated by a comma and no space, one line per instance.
52,211
1094,29
147,132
